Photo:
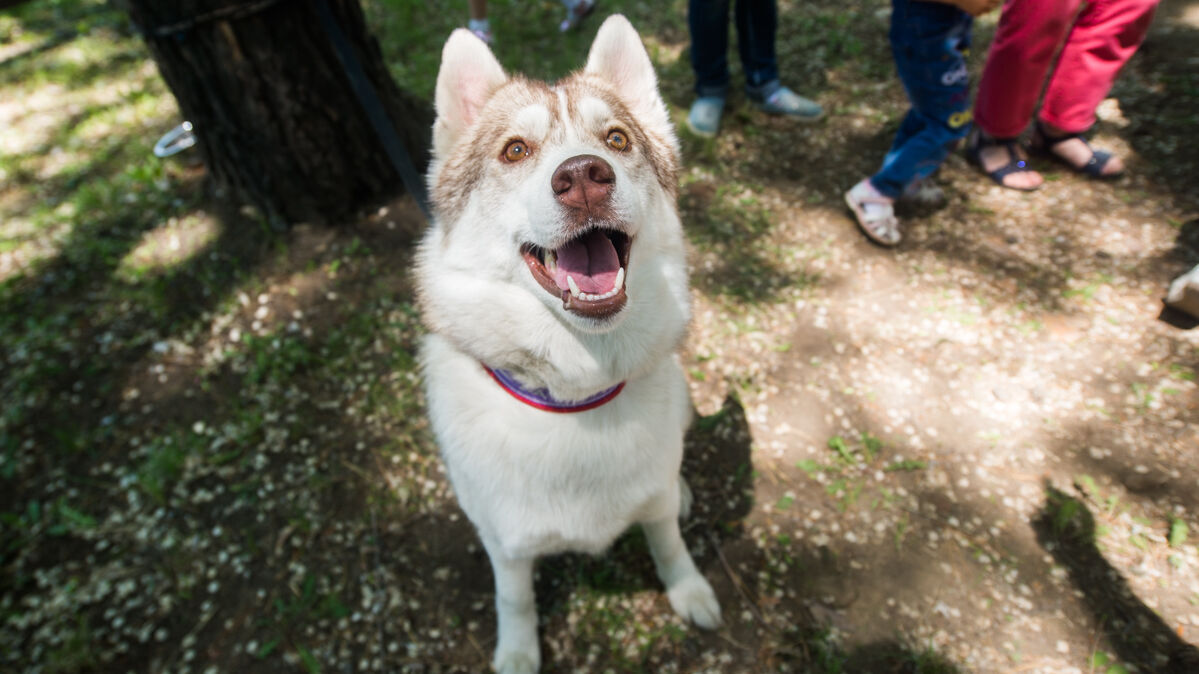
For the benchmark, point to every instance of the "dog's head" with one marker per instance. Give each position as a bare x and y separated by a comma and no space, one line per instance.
563,191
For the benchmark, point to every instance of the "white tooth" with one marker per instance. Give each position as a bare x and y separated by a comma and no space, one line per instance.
551,262
619,280
574,287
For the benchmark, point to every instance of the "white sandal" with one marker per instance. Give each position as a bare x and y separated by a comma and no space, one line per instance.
875,213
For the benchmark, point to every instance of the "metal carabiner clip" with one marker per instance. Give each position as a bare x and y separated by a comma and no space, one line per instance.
175,141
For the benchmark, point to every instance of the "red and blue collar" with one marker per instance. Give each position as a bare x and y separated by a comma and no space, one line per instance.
541,398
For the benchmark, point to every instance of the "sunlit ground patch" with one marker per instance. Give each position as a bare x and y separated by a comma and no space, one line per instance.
80,109
1190,15
22,243
174,242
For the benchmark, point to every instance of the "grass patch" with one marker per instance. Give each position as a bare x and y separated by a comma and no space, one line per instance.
845,476
163,462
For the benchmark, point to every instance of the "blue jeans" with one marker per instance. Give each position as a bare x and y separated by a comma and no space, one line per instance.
757,22
929,41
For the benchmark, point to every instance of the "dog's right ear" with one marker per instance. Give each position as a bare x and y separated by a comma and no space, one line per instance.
469,75
618,56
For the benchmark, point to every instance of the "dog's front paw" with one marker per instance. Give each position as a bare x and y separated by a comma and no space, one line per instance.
517,662
694,599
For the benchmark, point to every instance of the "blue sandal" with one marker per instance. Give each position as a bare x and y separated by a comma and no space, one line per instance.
979,140
1043,143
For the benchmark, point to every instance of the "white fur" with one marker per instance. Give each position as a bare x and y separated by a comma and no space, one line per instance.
468,77
536,482
532,122
618,56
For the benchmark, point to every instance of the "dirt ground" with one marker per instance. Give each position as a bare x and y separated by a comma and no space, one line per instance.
972,453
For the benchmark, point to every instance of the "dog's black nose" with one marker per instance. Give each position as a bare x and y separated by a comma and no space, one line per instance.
583,182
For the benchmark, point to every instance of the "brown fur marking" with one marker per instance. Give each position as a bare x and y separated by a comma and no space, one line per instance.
481,146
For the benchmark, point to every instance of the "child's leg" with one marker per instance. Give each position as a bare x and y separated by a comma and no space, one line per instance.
479,25
1029,35
1106,34
709,24
913,123
928,47
757,24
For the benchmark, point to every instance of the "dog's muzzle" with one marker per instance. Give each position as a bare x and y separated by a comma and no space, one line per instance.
588,271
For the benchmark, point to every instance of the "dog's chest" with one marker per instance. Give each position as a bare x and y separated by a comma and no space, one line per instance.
541,482
578,497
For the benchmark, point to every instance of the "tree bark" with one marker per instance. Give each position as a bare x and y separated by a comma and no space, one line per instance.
275,115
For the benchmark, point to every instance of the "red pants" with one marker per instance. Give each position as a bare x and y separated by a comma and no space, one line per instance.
1094,43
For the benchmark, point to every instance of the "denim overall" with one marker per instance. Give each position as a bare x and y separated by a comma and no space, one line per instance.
929,41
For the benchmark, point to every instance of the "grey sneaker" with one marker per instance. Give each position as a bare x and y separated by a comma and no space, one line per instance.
924,193
783,101
704,118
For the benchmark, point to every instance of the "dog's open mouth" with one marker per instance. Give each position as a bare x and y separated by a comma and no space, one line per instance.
587,272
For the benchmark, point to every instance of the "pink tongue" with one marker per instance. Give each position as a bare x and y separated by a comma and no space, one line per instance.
591,261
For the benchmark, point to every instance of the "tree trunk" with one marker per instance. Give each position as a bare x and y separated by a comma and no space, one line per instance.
274,112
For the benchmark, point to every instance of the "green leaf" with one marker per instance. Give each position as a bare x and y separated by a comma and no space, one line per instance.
310,662
1087,484
711,421
872,444
907,464
808,466
1178,532
266,648
837,444
784,503
1064,514
76,518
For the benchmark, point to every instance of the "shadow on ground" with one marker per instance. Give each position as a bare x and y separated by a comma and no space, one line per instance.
610,610
311,537
1065,527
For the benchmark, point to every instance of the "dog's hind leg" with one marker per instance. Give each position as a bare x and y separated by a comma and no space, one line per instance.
689,592
516,650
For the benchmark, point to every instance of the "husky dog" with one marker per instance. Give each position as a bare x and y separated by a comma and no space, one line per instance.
553,284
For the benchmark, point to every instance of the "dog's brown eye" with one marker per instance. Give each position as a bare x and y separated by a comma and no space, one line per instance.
617,140
516,151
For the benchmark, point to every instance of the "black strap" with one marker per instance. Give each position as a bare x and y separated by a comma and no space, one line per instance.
369,99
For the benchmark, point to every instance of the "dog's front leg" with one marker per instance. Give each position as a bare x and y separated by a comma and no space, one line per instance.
689,592
516,650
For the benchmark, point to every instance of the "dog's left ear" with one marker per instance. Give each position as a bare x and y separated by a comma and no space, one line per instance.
618,56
